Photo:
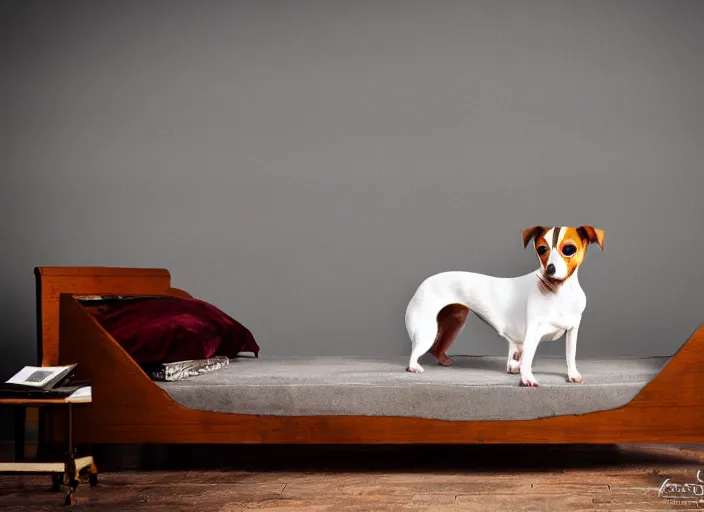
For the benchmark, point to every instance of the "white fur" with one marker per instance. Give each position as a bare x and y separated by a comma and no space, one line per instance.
556,259
515,307
548,235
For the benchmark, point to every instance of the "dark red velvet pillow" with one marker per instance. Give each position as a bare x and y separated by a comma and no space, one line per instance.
168,329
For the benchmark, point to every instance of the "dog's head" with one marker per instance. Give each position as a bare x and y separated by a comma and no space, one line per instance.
561,249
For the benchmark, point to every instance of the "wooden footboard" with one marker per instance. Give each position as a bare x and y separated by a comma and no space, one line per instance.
129,408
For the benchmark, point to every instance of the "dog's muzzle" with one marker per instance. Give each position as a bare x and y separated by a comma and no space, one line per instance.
550,270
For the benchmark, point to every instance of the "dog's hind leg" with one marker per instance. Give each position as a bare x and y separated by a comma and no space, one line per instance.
422,339
451,320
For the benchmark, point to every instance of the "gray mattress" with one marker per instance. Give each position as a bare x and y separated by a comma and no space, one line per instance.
474,388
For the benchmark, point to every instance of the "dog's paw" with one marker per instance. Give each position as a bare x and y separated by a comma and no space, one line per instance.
513,366
415,369
528,381
574,377
443,360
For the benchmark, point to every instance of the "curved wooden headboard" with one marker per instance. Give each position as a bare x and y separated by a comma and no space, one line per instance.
51,282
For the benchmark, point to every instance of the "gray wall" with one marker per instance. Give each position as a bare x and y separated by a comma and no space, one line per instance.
304,165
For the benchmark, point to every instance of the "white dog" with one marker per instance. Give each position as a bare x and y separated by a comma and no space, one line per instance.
524,310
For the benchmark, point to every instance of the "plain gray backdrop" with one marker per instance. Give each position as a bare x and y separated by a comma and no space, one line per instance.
304,165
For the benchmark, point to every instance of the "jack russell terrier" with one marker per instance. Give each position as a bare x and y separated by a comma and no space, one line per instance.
524,310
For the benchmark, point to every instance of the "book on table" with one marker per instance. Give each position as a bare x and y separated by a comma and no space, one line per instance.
45,382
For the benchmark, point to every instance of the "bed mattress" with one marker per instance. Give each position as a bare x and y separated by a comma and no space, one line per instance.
474,388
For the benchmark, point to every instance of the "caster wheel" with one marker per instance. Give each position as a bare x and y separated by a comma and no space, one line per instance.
93,479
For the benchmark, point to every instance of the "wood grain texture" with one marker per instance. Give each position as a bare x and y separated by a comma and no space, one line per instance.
129,408
415,478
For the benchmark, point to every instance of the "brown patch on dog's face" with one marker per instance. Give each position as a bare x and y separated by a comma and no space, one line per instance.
543,248
561,250
542,245
572,249
580,237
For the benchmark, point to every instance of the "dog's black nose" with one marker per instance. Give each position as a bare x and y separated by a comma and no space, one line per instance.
550,270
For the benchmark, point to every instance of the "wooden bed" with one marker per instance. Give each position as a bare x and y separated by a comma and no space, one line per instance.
128,407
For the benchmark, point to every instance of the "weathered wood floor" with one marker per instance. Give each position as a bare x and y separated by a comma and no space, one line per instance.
338,479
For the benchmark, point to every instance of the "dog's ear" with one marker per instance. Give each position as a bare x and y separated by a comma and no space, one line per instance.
590,234
530,233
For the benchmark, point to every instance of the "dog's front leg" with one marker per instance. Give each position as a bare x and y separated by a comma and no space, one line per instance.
513,365
530,345
571,353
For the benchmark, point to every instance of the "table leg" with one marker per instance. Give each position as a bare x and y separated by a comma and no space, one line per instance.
70,481
20,417
72,469
70,429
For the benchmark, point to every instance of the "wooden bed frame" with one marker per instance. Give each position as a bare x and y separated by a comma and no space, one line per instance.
128,407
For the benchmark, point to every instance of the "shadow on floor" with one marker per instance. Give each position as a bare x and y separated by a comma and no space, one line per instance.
394,458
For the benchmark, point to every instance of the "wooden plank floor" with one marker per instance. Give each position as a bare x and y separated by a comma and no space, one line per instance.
338,479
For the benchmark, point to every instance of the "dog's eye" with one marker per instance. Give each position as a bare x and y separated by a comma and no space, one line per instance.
569,250
542,250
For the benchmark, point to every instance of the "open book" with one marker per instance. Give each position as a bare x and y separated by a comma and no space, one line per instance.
40,377
46,382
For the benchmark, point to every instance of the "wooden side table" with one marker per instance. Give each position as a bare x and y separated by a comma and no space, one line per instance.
64,473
